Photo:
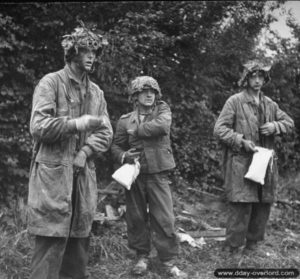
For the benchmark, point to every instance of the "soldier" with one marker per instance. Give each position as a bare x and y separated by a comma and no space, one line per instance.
144,133
70,126
249,119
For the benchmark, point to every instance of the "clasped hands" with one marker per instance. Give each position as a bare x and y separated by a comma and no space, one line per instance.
267,129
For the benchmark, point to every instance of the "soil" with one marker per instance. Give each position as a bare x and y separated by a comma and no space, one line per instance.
198,215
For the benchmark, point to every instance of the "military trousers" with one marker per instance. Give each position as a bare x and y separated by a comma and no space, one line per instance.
59,258
246,222
150,217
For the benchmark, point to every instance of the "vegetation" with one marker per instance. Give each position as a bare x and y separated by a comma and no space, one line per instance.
195,49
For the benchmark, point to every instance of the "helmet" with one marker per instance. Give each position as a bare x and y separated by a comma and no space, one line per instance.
144,82
253,66
82,37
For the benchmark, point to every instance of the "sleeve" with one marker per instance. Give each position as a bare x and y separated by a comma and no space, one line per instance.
223,129
283,123
99,141
159,126
44,125
120,142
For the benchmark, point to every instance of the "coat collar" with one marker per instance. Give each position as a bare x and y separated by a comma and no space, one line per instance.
134,117
247,98
72,76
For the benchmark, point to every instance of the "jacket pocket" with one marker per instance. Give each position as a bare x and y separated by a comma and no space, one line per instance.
50,188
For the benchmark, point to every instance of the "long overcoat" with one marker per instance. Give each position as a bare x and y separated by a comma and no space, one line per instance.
57,99
237,120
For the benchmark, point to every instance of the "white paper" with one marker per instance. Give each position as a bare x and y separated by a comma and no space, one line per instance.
126,174
259,165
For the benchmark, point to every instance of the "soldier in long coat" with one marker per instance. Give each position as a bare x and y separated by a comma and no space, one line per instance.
144,133
249,119
70,126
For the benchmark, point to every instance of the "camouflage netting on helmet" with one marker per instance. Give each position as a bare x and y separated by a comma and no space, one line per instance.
83,37
144,82
253,66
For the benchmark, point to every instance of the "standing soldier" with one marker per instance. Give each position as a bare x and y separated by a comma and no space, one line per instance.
70,126
144,133
249,119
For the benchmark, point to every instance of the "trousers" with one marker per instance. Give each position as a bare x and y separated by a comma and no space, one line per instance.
246,222
59,258
150,216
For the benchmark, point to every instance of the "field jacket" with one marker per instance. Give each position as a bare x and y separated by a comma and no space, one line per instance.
58,98
152,137
237,120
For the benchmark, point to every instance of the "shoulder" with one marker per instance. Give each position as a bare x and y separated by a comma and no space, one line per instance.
95,88
268,100
235,98
162,106
50,79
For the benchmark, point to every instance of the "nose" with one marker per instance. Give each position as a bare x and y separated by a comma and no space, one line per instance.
91,55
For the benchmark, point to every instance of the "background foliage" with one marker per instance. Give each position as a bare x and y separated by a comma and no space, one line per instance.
195,49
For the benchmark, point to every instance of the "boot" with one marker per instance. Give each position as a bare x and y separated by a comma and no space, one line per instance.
141,266
172,270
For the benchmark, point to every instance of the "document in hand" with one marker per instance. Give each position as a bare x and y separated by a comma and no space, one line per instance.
259,164
126,174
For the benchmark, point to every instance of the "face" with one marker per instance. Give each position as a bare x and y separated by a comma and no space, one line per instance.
85,59
146,97
256,80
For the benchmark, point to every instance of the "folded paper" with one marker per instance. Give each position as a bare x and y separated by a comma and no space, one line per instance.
126,174
260,161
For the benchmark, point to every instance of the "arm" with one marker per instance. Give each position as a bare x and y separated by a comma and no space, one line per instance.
100,139
44,126
159,126
283,124
223,129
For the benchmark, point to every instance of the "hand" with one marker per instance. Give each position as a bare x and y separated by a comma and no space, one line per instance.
80,159
87,122
249,145
267,129
132,132
130,155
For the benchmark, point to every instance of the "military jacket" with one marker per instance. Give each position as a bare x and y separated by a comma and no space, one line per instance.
152,137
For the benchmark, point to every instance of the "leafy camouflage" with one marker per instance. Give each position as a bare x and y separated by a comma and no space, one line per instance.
253,66
143,82
83,37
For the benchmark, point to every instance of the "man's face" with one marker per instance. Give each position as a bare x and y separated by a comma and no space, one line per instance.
85,59
146,97
256,80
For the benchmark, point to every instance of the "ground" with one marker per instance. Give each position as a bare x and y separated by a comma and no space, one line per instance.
111,259
196,214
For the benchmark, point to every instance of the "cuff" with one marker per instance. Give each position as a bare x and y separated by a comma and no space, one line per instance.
277,128
71,126
87,150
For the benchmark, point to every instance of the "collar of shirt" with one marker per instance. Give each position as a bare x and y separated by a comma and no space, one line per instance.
248,98
72,76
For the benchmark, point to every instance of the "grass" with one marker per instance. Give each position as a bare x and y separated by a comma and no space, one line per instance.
110,258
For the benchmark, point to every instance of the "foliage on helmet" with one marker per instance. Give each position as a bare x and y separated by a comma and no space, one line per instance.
144,82
83,37
253,66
